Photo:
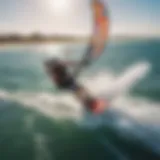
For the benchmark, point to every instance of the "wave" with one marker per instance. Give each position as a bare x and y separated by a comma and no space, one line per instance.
104,84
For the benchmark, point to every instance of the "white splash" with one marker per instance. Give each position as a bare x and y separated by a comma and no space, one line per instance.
104,83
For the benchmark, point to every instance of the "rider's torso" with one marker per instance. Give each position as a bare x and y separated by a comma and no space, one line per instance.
60,75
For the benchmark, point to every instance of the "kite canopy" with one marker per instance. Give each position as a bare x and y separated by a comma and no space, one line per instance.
100,34
101,27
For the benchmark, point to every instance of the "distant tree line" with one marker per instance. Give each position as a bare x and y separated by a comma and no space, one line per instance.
36,37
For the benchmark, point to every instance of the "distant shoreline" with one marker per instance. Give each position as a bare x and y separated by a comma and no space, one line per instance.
36,38
36,42
65,40
41,41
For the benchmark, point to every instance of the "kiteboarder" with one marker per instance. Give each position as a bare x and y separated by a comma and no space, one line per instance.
59,73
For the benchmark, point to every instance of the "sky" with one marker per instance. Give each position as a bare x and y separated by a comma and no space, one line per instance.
128,17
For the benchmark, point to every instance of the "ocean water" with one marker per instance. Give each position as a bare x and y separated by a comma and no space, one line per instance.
37,122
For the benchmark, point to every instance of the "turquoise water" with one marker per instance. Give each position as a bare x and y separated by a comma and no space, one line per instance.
38,123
